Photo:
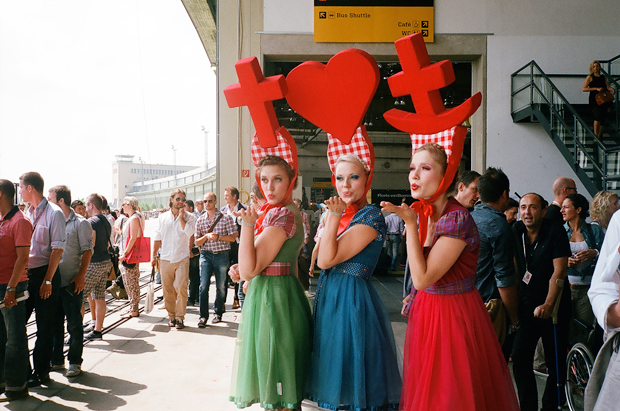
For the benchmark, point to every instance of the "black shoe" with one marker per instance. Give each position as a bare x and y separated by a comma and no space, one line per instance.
36,380
172,322
33,380
94,335
180,325
14,395
216,319
45,379
190,303
202,323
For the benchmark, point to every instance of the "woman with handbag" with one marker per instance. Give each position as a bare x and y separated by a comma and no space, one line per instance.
132,230
597,83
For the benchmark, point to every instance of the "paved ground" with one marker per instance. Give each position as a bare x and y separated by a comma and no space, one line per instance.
142,364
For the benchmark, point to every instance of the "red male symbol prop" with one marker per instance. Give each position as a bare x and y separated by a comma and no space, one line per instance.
257,92
422,80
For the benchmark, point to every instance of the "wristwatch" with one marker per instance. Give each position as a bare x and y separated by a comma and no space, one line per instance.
9,289
48,282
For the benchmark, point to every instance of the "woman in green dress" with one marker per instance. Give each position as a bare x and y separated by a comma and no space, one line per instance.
272,355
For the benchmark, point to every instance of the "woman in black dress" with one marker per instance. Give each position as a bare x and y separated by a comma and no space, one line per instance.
594,84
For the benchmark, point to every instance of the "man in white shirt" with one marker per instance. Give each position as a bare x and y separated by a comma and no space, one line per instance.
172,240
602,391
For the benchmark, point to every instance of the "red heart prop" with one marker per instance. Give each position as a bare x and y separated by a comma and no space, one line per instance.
336,95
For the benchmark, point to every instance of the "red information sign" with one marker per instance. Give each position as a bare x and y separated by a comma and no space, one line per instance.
245,173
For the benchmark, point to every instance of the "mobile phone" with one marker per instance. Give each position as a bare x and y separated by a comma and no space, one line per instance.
19,297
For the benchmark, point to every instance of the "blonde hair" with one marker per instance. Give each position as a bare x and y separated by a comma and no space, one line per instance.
133,202
353,159
600,207
592,65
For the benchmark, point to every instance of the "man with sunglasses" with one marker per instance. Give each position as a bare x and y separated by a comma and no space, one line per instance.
172,239
215,232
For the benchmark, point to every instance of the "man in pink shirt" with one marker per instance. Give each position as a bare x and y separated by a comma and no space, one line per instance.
15,234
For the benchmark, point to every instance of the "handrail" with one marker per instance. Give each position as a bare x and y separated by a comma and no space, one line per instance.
552,99
610,60
576,141
560,95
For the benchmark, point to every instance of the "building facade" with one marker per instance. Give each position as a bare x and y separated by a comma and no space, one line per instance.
129,176
492,38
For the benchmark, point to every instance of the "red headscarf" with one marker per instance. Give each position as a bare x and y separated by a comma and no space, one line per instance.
285,149
360,146
452,141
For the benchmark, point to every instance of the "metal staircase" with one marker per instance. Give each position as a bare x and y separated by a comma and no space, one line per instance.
536,99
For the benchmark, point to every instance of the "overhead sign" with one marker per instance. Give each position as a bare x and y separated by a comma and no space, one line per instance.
372,21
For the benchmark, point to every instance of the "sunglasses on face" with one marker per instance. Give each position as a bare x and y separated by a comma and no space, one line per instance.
209,201
180,199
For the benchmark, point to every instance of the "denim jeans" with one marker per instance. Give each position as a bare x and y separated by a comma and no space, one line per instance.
14,366
218,264
69,305
391,245
45,310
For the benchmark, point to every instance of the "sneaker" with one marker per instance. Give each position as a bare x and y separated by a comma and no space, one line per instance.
172,322
180,325
90,327
310,294
202,323
216,319
74,370
68,340
14,395
236,305
94,335
57,367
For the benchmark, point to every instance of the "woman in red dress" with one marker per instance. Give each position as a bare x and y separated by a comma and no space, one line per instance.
452,358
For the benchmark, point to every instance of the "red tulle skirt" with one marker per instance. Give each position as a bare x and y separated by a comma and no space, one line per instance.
453,360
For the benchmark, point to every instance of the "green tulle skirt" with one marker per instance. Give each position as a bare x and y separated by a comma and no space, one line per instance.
273,346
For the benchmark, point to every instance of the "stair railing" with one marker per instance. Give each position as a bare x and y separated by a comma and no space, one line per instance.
532,88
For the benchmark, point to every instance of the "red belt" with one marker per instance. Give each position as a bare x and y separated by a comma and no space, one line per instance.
277,269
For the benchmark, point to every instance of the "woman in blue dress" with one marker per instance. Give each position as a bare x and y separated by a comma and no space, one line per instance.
354,364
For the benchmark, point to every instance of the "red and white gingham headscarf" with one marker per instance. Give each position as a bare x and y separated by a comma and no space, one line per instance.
285,149
452,141
360,146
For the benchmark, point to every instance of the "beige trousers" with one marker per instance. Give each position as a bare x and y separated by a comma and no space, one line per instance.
174,279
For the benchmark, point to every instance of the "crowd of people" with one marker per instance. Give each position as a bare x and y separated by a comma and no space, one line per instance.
479,279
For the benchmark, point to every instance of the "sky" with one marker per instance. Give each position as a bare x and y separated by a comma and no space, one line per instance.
83,81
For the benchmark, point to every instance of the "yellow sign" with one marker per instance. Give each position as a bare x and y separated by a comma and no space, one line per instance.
322,184
358,22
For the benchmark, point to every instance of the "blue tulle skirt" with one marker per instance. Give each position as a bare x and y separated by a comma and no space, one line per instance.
354,362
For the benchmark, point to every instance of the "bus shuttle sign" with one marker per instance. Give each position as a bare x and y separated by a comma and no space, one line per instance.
372,21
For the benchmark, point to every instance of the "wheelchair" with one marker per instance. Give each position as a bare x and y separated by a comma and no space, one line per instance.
580,361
